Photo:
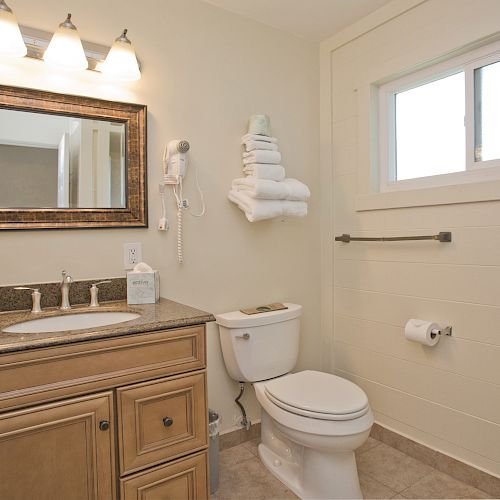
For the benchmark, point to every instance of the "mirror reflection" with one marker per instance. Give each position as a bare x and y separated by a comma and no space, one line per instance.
50,161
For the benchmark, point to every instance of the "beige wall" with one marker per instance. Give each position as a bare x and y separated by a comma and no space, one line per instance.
28,176
204,72
448,396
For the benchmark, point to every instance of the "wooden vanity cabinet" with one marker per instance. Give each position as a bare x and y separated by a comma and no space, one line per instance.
124,417
61,451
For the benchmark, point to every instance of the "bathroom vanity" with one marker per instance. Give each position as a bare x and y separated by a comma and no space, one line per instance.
118,411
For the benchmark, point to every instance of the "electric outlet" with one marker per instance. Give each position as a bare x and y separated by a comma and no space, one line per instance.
132,254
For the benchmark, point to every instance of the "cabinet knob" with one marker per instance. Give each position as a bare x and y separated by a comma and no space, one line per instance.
104,425
168,421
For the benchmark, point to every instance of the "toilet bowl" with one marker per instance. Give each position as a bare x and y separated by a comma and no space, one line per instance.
308,442
311,422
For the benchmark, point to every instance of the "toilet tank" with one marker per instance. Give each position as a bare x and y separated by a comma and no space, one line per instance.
260,346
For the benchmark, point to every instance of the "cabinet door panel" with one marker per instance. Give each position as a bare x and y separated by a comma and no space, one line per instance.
58,451
160,420
184,479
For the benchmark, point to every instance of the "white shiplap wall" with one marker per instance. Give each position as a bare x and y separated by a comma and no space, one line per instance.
447,397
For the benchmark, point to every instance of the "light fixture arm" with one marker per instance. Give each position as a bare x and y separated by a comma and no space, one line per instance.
5,7
123,37
67,23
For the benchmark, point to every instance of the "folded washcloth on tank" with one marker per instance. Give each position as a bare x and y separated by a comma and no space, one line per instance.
256,210
252,145
288,189
260,156
256,137
265,171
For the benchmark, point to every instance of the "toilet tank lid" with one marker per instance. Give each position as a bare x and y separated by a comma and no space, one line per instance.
237,319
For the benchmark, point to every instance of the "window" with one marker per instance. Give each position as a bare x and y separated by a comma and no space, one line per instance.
441,125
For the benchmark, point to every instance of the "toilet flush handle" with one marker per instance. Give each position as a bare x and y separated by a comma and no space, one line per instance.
245,336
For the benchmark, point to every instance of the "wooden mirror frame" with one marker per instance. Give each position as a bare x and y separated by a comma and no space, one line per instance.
133,116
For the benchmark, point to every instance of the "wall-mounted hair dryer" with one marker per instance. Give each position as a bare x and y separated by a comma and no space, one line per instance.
174,169
175,161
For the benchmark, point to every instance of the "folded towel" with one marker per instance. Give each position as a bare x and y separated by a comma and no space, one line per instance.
256,210
289,189
265,171
251,145
256,137
262,156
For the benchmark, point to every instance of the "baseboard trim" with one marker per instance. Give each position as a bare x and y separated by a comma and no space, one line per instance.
439,461
234,438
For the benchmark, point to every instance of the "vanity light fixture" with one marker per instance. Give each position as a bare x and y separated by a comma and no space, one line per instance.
65,50
11,40
121,61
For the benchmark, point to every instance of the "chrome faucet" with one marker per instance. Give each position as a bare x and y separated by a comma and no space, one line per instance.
65,283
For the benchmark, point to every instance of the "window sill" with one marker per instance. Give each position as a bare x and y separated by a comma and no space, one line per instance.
444,195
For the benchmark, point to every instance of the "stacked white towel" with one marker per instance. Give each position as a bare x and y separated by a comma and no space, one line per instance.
256,210
265,192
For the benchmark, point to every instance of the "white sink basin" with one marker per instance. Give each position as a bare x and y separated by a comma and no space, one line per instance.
71,322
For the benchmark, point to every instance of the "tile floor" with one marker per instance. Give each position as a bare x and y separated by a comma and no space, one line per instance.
384,472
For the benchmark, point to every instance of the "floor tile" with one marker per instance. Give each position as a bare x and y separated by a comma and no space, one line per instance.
234,455
250,480
252,446
439,485
391,467
371,488
368,445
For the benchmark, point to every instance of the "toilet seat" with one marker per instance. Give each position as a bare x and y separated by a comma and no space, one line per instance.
317,426
317,395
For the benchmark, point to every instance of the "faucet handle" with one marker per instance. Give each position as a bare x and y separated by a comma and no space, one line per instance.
94,292
101,282
35,297
66,278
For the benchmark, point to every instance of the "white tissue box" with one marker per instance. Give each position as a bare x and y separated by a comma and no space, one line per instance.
143,287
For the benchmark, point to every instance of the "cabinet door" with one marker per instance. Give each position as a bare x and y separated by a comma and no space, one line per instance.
160,420
57,451
184,479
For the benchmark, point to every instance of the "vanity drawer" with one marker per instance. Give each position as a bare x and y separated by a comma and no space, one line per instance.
160,420
184,479
51,373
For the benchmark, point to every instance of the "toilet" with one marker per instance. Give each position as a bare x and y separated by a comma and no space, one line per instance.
311,421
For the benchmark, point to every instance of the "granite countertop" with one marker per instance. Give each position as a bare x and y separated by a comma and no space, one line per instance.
165,314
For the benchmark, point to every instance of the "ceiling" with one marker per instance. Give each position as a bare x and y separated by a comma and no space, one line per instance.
313,20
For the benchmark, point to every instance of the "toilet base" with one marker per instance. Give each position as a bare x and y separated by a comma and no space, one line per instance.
307,472
287,472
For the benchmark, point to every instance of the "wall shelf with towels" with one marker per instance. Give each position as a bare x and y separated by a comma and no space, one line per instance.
442,237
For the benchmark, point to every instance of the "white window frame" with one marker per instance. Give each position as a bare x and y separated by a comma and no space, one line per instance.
476,171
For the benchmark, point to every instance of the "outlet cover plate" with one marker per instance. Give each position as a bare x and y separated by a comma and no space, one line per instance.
132,254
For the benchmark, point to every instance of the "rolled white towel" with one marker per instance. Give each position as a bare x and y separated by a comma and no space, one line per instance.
262,156
252,145
288,189
265,171
256,210
256,137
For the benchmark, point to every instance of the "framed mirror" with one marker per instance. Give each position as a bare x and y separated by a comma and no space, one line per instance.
70,162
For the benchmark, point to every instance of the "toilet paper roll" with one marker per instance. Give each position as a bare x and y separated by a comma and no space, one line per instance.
420,331
260,125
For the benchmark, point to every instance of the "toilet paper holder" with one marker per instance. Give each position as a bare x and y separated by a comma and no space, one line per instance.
441,331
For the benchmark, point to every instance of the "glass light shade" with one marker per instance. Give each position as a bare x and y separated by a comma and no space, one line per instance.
11,40
65,50
121,61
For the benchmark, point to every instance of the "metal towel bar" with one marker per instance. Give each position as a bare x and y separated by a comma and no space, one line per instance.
443,237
